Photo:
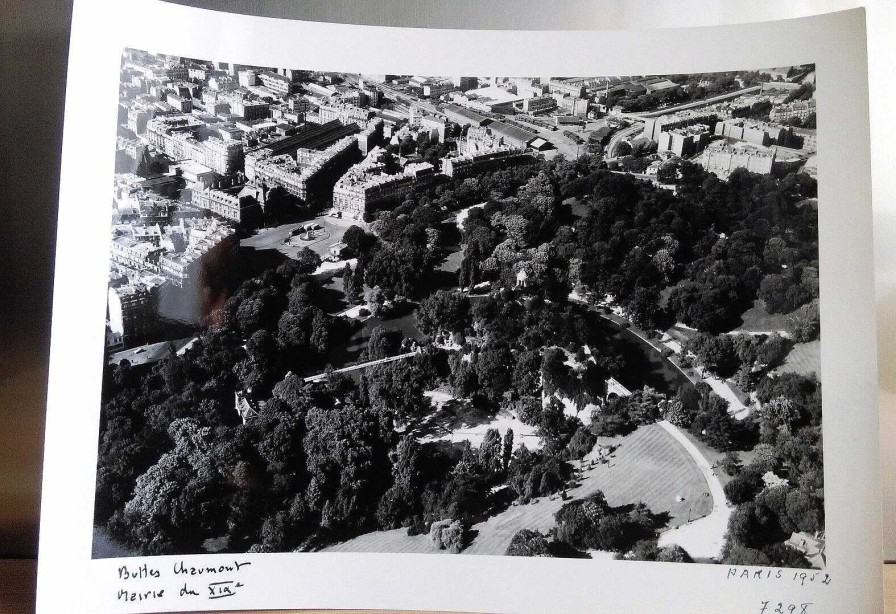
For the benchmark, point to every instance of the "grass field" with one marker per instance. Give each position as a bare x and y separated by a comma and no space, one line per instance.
804,359
757,319
649,466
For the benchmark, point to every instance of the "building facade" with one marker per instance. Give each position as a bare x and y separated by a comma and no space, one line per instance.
755,132
133,311
238,204
539,104
469,165
176,137
722,159
359,191
684,142
345,113
295,174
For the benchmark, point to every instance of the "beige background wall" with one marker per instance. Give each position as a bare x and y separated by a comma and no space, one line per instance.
33,51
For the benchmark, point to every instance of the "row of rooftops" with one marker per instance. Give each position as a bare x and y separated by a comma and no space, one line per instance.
755,124
195,232
502,150
309,136
740,147
316,159
177,247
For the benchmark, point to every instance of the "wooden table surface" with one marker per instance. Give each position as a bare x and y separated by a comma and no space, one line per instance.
17,579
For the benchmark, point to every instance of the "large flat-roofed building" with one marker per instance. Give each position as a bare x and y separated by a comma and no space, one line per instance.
434,127
465,83
436,89
721,158
755,132
249,109
530,88
181,104
464,117
573,88
247,78
571,104
539,104
653,126
279,84
473,164
684,142
192,171
512,135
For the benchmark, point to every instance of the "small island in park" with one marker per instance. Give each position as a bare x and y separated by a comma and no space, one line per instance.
529,317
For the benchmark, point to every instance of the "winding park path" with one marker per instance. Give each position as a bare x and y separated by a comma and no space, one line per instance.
705,537
363,365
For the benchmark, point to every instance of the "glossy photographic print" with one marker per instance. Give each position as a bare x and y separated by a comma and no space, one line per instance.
541,316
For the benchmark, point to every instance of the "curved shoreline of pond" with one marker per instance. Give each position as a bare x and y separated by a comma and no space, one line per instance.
663,375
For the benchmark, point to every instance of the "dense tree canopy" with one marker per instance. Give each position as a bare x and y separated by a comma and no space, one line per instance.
322,462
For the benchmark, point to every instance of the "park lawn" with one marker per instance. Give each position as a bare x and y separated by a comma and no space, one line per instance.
648,466
452,261
394,541
803,359
757,320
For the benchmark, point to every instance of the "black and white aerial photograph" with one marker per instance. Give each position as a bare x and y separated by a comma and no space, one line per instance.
543,316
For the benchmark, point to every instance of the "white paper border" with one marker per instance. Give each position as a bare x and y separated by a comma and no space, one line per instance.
67,575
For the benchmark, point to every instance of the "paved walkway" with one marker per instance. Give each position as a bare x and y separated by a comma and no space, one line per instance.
735,406
364,365
703,538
